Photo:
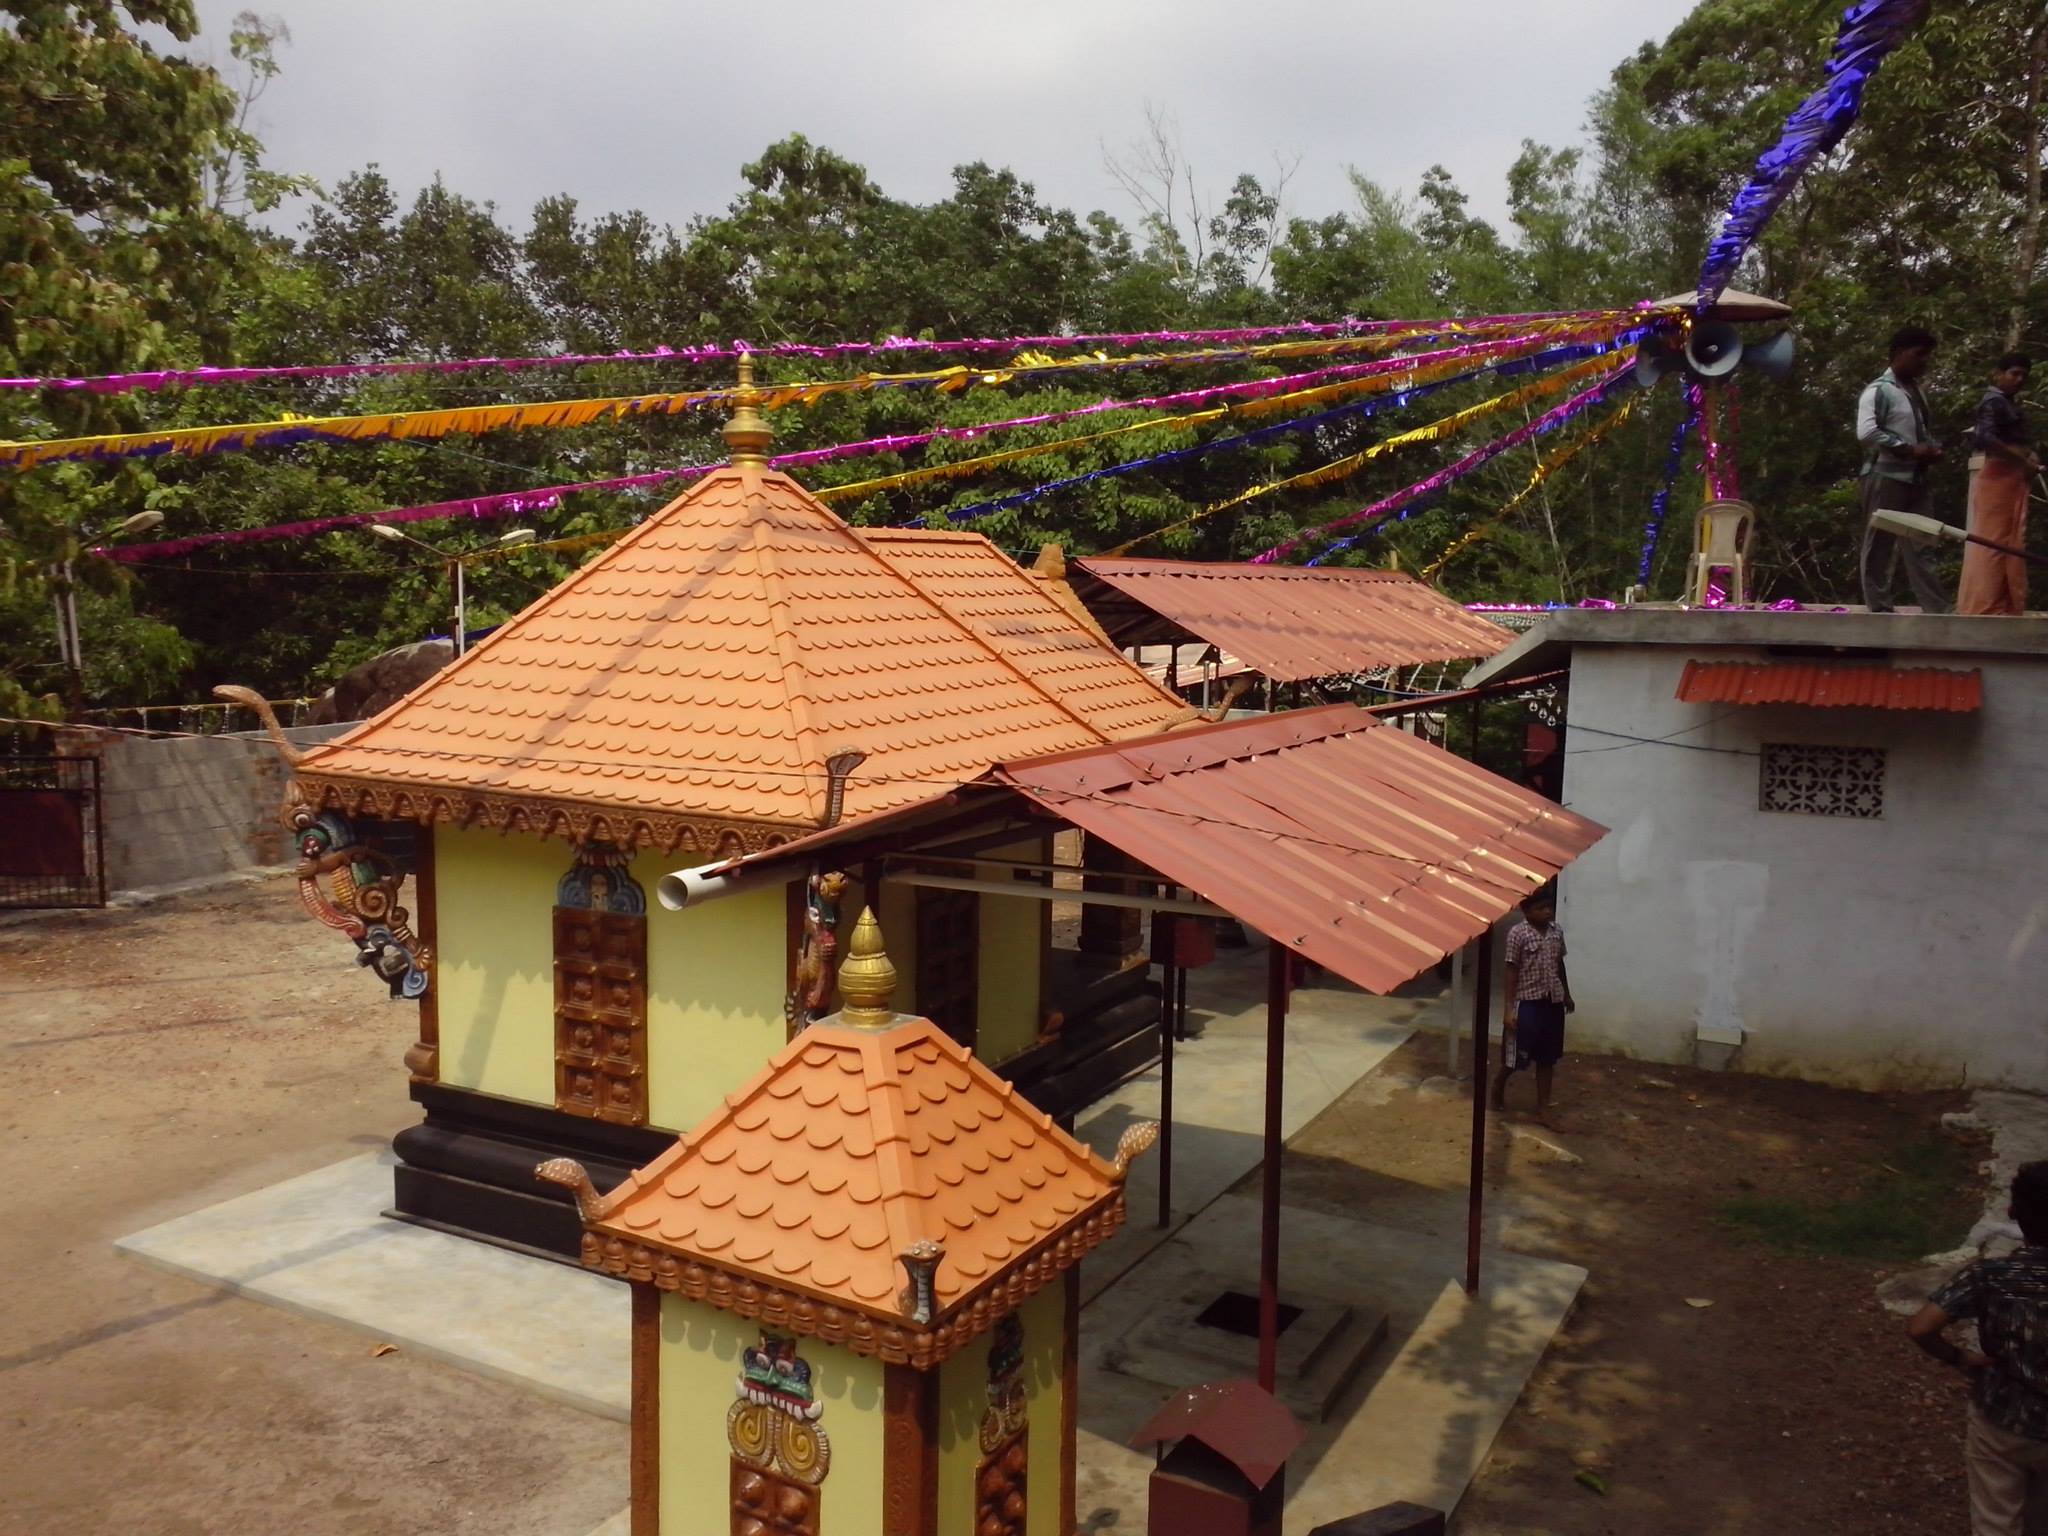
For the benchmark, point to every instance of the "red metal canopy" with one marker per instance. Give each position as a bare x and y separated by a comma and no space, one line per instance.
1368,851
1833,685
1288,622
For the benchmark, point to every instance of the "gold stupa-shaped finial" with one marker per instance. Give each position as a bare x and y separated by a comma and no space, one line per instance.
747,433
867,977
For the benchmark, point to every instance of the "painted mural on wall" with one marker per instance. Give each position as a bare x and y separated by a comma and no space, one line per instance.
352,886
780,1452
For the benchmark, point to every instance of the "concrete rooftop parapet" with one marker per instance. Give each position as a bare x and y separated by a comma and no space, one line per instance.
1546,647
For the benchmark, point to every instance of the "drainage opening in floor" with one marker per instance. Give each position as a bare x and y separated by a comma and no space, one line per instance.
1236,1312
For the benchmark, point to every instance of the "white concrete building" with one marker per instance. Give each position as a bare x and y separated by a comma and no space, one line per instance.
1834,890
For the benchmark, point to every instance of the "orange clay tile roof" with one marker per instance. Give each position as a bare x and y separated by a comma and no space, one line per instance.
709,662
849,1147
1011,609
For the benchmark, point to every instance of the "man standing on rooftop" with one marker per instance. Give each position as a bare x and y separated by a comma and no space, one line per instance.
1898,449
2002,462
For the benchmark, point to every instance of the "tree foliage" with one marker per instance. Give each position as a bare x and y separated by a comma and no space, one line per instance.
131,236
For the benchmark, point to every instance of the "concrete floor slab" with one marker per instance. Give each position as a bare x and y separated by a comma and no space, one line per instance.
320,1244
1415,1425
1421,1417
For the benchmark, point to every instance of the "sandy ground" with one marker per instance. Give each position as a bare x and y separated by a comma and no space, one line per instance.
161,1059
1791,1403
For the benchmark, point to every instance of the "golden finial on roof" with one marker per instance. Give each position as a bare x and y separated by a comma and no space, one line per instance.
867,977
747,433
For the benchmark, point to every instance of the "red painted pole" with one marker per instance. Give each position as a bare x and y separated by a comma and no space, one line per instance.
1482,1002
1169,1026
1269,1185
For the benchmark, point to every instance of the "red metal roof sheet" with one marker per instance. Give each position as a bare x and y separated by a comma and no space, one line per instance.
1370,852
1297,622
1833,685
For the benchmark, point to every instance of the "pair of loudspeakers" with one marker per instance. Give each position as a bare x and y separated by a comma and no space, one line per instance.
1712,349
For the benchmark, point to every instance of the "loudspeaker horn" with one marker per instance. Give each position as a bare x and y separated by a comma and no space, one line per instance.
1713,350
1655,357
1773,358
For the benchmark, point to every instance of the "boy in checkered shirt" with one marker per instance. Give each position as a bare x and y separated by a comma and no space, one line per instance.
1535,997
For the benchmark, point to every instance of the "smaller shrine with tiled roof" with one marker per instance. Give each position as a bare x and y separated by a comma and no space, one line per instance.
855,1289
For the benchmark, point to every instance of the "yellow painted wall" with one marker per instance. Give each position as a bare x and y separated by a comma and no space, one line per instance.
1007,1017
717,979
494,900
963,1397
700,1359
1007,975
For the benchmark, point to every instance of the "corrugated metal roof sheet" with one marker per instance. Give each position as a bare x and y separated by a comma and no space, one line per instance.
1370,852
1294,622
1833,685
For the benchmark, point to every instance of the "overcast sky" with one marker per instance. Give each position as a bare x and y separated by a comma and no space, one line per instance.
655,104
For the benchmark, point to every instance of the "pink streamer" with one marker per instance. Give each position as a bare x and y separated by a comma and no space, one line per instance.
192,378
1443,477
543,498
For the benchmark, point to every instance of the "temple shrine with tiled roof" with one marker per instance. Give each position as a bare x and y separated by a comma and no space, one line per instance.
741,670
856,1289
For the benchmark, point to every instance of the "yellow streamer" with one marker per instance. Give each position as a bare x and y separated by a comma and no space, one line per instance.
1547,467
1435,431
409,425
1271,404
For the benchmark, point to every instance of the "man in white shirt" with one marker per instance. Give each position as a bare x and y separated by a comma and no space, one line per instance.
1898,448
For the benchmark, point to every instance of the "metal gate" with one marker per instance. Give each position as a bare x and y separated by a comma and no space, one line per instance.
52,838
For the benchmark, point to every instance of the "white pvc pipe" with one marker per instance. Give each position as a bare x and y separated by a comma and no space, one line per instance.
709,882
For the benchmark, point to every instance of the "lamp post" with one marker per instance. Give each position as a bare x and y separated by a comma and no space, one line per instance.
1915,528
64,601
455,562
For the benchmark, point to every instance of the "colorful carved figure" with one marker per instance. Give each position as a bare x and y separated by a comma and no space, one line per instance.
598,882
1006,1397
773,1427
359,897
817,961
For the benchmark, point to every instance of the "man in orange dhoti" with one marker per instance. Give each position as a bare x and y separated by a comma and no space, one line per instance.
2002,467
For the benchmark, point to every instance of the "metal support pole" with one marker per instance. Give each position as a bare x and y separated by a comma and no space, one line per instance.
1269,1182
1168,1025
1482,1000
461,612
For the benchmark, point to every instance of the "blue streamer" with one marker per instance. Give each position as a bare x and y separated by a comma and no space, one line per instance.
1870,31
1674,460
1430,498
1535,362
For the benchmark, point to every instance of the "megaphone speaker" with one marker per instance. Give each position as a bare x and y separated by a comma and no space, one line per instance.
1713,350
1773,358
1655,357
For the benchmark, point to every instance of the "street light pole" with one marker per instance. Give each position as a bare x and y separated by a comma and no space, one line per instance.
64,601
456,562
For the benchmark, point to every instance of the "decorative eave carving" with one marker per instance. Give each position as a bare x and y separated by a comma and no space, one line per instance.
704,838
881,1334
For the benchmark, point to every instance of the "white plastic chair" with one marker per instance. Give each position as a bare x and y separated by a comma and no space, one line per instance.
1720,542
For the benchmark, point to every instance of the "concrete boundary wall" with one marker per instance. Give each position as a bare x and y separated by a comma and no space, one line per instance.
189,807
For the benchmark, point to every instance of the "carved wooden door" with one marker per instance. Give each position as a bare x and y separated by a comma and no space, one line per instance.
999,1489
765,1503
601,1015
948,960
